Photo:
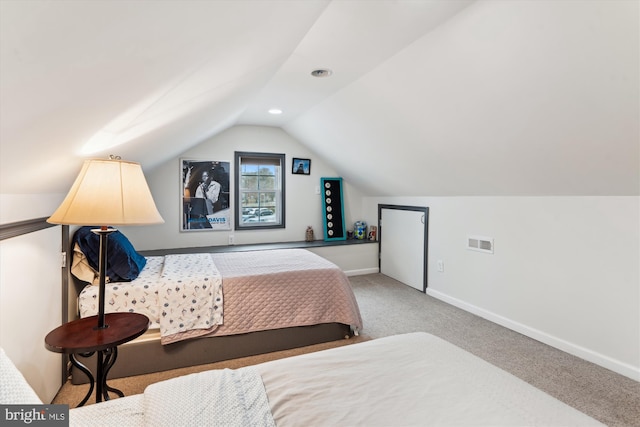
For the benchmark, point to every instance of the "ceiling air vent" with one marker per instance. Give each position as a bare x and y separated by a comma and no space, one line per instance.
480,244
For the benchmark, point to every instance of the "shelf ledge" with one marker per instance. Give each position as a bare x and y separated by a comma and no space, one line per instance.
256,247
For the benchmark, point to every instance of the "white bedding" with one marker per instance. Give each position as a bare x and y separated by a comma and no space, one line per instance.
219,397
408,380
190,296
178,293
139,295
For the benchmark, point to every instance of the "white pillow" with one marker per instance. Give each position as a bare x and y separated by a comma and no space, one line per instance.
81,269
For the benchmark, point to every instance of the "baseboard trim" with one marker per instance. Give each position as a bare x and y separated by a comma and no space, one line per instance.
573,349
361,272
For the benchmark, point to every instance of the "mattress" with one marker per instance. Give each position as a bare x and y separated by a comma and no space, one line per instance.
413,379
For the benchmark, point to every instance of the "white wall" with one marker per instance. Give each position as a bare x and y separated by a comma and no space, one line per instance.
565,269
508,98
30,292
303,205
354,260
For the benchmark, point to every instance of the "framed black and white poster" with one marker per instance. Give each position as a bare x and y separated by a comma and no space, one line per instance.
332,209
205,195
301,166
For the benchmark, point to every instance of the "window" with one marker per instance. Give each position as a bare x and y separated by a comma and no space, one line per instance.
259,190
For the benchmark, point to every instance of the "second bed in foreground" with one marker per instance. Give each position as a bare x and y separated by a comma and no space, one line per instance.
413,379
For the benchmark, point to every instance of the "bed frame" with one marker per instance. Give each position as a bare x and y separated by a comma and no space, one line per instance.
146,355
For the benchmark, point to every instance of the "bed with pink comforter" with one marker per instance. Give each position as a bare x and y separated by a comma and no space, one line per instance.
245,292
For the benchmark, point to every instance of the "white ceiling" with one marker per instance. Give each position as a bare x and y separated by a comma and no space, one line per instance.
427,98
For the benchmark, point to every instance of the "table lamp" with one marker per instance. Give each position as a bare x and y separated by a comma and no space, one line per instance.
107,192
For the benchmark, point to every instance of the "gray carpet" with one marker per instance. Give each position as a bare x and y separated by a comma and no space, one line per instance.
388,307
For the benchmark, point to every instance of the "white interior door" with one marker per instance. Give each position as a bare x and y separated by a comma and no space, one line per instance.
402,245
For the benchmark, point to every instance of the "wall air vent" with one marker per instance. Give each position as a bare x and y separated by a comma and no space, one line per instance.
480,244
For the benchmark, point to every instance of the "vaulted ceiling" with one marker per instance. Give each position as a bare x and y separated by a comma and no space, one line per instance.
426,98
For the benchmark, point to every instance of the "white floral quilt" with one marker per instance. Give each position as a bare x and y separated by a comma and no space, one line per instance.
190,295
180,294
139,295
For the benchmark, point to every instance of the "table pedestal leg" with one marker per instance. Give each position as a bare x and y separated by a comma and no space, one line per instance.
87,372
106,360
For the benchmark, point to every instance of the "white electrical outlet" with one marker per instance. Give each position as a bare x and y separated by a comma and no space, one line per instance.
231,239
441,266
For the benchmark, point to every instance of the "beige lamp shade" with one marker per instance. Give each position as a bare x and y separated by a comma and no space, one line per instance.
108,192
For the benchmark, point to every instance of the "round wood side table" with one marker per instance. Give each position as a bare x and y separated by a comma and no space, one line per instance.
83,337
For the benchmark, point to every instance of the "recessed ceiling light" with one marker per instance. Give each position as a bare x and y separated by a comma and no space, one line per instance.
323,72
275,111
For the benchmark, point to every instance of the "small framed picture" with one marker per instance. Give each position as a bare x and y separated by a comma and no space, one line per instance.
301,166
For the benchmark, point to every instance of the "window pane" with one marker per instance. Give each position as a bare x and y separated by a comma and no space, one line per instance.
250,168
248,182
250,200
267,170
267,182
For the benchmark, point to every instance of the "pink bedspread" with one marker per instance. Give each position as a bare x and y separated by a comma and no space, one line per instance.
282,288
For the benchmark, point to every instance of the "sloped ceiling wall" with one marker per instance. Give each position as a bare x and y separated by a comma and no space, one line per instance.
144,79
428,98
505,98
